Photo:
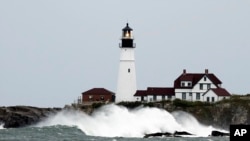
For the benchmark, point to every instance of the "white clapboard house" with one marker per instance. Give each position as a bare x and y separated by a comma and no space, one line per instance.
188,86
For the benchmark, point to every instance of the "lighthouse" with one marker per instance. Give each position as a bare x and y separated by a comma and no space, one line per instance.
126,86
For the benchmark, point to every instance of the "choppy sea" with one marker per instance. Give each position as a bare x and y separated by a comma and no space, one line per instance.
67,133
112,123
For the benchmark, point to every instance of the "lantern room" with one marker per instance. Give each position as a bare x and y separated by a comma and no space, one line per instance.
127,38
127,32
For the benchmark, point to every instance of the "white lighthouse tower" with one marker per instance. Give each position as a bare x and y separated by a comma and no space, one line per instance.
126,86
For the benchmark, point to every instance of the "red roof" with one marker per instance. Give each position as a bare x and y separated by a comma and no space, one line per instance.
98,91
141,93
195,78
155,91
221,92
160,91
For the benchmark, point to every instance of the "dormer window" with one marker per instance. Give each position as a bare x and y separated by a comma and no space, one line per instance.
182,84
186,84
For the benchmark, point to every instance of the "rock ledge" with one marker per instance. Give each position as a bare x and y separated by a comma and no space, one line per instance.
20,116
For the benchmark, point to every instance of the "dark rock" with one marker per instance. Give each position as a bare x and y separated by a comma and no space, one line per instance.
218,133
20,116
167,134
158,134
180,133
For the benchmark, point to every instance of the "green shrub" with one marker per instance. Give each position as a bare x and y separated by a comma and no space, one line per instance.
150,104
97,105
130,105
184,103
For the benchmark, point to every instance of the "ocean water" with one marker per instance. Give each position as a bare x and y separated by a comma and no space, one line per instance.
112,123
67,133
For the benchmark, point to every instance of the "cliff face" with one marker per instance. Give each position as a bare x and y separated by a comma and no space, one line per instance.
19,116
233,111
221,114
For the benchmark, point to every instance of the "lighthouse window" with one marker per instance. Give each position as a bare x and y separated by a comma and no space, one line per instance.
127,34
128,70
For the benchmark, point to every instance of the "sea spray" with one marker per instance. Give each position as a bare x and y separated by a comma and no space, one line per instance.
190,124
1,126
118,121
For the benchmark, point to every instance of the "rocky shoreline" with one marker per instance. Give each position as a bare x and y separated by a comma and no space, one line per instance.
221,114
20,116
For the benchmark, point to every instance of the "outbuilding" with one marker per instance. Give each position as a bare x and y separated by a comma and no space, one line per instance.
98,95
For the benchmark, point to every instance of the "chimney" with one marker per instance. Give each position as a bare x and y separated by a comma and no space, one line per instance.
184,72
206,71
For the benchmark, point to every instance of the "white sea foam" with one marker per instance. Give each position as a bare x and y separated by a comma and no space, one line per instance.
190,123
1,126
117,121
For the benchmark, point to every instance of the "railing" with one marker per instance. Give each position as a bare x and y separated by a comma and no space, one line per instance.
134,45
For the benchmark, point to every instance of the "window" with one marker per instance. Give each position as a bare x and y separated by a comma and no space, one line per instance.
212,99
90,97
201,86
208,86
189,84
198,96
205,78
101,97
182,84
190,94
154,97
169,97
128,70
207,99
184,96
163,97
142,98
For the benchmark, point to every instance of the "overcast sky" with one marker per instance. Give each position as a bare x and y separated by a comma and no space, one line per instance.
53,50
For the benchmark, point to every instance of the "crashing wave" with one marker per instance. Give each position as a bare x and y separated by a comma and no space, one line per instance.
1,126
118,121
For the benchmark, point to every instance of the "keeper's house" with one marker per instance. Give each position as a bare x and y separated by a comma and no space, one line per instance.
188,86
